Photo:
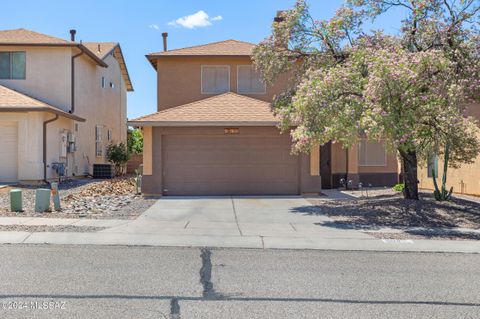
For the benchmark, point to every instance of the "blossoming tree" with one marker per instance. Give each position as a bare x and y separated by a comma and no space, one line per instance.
407,89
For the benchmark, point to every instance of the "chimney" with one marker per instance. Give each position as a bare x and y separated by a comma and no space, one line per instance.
164,35
280,16
281,40
72,35
99,49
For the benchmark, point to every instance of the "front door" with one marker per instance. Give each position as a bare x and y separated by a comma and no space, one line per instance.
326,165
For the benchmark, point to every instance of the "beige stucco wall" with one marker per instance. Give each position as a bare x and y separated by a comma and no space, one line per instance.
339,161
47,75
179,79
30,143
99,106
466,179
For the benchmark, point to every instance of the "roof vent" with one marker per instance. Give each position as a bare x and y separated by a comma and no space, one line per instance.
72,35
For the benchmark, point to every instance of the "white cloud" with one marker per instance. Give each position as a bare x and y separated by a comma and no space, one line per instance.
154,26
199,19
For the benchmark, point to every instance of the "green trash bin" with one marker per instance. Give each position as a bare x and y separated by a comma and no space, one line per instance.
16,203
42,200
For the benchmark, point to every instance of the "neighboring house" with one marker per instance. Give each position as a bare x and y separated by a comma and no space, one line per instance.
60,102
465,180
214,133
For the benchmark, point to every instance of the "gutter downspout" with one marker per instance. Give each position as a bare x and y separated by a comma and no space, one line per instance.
346,169
72,110
45,123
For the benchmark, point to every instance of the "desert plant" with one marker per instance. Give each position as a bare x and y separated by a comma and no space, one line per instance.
399,187
118,155
442,194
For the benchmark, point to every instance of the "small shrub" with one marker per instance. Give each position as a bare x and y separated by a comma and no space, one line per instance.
135,141
118,155
399,187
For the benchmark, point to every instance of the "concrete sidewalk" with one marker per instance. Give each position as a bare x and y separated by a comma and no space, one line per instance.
263,223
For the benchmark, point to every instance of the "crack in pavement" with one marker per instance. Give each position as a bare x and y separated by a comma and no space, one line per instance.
236,217
174,309
206,276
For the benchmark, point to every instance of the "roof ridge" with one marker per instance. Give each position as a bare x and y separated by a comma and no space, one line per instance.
38,33
200,101
200,45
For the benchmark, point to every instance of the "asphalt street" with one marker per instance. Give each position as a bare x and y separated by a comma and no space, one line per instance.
41,281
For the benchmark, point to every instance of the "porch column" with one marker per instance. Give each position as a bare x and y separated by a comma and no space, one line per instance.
147,150
352,159
315,161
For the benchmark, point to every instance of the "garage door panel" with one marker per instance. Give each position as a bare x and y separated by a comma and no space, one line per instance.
223,165
228,172
9,151
228,188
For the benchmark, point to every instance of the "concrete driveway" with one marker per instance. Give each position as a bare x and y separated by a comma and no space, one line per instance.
226,221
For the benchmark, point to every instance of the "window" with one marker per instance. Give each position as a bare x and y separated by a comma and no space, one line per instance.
103,82
112,85
432,166
215,79
109,136
372,153
12,65
98,141
249,80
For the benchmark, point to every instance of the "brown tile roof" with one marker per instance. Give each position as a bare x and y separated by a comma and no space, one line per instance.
103,49
24,36
100,49
14,101
227,47
219,110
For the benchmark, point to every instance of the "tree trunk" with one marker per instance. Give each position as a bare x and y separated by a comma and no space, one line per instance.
410,177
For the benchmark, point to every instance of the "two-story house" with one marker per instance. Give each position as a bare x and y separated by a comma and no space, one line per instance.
60,102
214,133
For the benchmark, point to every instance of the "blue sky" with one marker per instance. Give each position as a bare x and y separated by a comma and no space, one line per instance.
138,25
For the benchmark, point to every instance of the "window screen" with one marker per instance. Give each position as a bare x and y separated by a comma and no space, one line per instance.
18,65
249,80
12,65
215,79
372,153
98,141
5,65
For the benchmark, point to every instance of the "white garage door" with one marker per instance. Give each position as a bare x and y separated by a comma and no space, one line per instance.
8,151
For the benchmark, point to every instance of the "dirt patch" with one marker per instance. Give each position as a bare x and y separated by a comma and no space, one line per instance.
391,210
87,198
56,228
432,235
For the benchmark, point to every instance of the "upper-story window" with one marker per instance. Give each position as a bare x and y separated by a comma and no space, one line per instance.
215,79
249,80
12,65
104,82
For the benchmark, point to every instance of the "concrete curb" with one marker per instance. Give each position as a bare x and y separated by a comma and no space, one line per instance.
259,242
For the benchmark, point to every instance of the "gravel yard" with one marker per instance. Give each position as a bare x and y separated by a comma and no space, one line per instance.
387,209
86,198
